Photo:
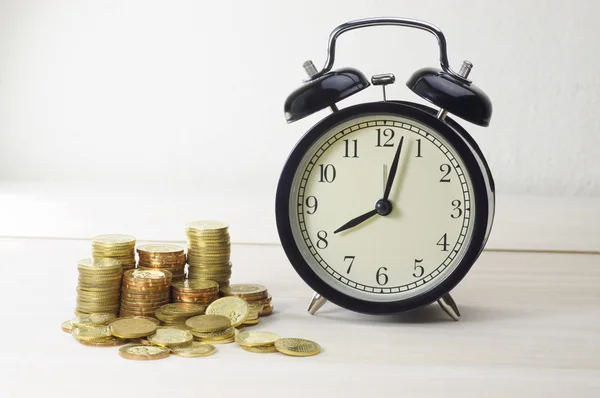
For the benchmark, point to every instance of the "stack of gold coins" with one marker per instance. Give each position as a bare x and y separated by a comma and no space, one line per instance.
177,313
99,286
213,329
209,249
195,291
118,247
253,294
163,257
144,291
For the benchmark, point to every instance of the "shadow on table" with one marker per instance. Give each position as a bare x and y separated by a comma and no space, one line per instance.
424,315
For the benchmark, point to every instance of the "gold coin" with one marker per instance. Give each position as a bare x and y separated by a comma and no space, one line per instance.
109,342
88,333
93,319
208,323
244,290
297,347
254,339
153,320
216,341
131,328
207,226
113,239
260,350
66,326
179,309
141,352
219,335
104,264
251,322
147,275
194,350
235,308
159,248
196,285
170,337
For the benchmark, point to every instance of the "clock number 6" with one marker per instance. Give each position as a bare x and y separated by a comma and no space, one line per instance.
381,276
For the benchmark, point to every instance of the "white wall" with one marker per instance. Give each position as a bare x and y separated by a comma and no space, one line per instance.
189,92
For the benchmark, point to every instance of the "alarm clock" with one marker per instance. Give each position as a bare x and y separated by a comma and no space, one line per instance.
384,207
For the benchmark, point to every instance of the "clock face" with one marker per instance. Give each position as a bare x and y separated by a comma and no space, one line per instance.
391,257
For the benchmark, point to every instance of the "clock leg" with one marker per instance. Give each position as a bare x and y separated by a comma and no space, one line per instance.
316,303
449,306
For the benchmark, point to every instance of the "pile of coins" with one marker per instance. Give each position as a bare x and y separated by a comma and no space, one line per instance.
255,295
213,329
92,330
144,291
177,313
195,291
209,250
163,258
99,285
118,247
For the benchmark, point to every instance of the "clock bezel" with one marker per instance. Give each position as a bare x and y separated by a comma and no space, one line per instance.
284,226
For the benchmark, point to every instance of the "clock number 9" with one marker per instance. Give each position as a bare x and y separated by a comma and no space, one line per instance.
312,204
322,240
382,278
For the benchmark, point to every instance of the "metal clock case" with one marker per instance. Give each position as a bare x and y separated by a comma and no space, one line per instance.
384,207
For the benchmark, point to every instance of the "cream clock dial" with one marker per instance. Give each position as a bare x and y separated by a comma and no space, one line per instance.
393,256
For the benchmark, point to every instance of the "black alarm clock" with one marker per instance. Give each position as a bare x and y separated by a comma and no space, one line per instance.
383,207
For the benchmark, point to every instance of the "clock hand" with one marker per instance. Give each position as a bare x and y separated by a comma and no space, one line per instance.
393,169
355,221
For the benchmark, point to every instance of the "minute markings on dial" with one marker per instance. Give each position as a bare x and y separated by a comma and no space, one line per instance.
431,273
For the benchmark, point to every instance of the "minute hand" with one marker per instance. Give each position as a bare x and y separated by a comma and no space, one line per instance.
393,169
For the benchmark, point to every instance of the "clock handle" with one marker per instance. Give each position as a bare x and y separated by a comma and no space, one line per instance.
410,23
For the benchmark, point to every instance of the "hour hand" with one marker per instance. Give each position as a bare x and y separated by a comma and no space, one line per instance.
355,221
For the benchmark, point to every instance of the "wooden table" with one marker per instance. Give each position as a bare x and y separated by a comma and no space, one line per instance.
530,327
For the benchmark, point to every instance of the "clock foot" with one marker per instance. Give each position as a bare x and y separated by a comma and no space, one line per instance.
449,306
316,303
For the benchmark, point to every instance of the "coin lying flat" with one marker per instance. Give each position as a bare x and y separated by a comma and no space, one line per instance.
170,337
256,339
66,326
235,308
139,352
208,323
297,347
108,342
90,333
195,349
260,350
153,320
93,319
131,328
